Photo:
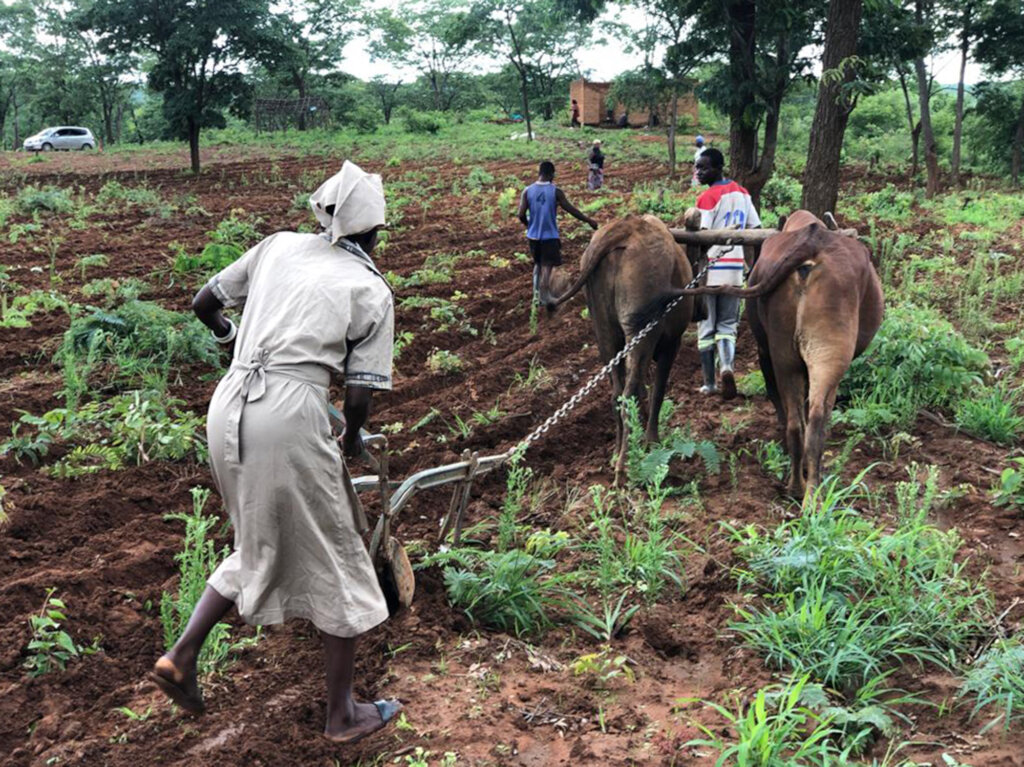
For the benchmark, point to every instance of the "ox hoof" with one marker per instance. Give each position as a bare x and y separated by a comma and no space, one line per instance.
728,385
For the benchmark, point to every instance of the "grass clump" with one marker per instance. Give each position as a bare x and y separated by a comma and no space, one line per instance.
993,413
996,680
846,601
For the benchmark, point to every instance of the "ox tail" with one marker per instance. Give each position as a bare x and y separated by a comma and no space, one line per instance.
806,247
600,246
652,310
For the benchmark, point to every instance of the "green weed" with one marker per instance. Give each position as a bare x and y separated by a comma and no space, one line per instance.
50,647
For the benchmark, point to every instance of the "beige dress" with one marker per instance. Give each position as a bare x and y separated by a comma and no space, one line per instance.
310,308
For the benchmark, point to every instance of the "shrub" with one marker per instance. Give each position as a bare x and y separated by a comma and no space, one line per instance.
423,122
50,199
228,242
916,361
1011,486
478,178
113,194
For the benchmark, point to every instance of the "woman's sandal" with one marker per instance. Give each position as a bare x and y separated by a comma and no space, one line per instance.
171,681
387,710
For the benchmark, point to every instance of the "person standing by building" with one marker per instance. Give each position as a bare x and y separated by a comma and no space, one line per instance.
538,211
315,306
575,119
723,205
595,166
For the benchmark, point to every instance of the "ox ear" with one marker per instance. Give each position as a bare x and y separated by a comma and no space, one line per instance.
782,222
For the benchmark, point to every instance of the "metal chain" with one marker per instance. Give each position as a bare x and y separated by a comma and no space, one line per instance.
590,385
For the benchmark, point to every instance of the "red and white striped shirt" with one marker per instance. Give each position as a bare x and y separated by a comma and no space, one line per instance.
724,205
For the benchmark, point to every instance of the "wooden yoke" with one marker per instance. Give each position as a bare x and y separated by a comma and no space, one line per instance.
706,237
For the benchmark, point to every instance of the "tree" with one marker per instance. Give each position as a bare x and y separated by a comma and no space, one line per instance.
1000,48
671,24
438,38
835,102
16,41
386,94
312,34
197,50
961,21
924,15
523,32
765,43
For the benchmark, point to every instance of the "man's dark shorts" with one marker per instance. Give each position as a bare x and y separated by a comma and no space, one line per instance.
546,252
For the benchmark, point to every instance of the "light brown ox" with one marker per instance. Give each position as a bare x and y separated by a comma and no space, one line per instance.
814,303
631,269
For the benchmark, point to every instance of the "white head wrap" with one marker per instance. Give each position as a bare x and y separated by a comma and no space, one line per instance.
358,200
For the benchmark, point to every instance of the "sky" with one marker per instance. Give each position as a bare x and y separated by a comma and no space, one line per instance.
604,62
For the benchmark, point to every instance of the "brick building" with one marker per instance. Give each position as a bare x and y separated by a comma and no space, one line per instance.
592,98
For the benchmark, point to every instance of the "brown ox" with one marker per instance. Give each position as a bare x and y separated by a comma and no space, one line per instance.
814,303
629,271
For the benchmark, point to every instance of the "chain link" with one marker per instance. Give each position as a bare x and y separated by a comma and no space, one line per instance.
590,385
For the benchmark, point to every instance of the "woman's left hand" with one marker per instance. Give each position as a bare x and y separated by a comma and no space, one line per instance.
352,444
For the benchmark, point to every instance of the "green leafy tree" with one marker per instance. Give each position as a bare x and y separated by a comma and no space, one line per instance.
1001,49
437,38
16,43
311,36
525,34
197,49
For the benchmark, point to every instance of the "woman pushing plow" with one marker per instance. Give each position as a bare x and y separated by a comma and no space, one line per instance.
315,305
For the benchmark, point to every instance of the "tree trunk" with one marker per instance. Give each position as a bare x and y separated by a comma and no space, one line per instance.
742,73
821,173
672,124
193,143
958,125
915,128
17,121
1018,147
931,157
517,62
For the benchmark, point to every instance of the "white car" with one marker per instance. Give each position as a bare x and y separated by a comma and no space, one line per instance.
61,137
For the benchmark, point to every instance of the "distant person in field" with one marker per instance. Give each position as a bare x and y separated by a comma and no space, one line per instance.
575,119
538,210
315,307
595,166
699,143
725,204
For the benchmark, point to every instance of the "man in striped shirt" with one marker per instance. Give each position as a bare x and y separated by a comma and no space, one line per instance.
723,205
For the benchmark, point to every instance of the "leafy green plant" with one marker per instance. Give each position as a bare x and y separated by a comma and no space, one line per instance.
916,361
602,668
647,465
232,237
443,361
86,262
606,623
845,600
772,457
113,196
197,560
1011,486
997,679
50,647
49,199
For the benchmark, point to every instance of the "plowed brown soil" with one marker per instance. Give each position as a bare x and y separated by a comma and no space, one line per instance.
103,543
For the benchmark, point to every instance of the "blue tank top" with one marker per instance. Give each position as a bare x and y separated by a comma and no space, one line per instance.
540,197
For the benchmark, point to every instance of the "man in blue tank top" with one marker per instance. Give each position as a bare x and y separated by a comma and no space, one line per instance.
541,201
